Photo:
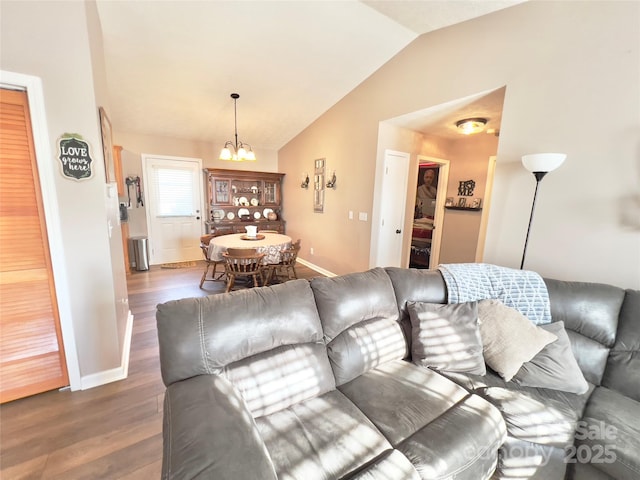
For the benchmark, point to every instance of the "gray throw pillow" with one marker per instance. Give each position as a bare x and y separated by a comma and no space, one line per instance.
446,337
555,367
509,338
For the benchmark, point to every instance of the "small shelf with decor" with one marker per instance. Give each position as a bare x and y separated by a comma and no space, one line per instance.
470,209
469,204
237,198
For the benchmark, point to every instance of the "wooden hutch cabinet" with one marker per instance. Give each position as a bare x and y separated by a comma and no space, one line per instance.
237,198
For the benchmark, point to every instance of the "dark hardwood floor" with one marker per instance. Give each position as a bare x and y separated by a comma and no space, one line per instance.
108,432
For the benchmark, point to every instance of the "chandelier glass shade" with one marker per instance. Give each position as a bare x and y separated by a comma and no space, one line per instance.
236,151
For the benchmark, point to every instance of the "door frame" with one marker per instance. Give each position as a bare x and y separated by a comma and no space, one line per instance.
441,195
145,178
486,208
46,172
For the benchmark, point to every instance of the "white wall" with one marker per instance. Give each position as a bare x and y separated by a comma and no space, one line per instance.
572,77
50,40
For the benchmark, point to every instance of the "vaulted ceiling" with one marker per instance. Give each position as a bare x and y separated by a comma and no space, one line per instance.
172,65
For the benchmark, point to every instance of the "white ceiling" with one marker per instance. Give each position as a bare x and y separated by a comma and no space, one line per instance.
172,65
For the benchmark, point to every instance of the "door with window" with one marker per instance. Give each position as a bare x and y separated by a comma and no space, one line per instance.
174,198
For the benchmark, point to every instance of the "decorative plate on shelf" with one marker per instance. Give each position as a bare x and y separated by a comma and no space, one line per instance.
254,202
243,201
257,215
231,215
218,214
266,212
243,211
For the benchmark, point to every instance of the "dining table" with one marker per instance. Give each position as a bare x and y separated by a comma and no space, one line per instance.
271,244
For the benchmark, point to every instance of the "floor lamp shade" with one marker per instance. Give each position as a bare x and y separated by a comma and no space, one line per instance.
539,164
543,162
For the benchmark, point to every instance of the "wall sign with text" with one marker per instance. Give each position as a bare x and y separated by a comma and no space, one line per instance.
74,155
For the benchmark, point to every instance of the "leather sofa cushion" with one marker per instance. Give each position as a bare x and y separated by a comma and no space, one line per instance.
391,465
201,335
586,471
200,415
462,443
613,420
416,285
274,380
590,355
535,417
623,368
364,346
360,321
443,430
591,310
350,299
323,438
520,459
401,398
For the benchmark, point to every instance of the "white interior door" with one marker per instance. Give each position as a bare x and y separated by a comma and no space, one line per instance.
392,208
174,198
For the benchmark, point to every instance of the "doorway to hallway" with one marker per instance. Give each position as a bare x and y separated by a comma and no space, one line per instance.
426,230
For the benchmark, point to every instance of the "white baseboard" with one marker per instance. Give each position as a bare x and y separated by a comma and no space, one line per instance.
114,374
324,272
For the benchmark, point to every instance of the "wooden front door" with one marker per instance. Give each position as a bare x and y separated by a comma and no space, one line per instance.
31,352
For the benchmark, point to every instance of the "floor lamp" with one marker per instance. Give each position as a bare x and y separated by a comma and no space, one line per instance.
539,164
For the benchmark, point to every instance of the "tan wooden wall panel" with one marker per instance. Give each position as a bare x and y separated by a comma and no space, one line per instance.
31,354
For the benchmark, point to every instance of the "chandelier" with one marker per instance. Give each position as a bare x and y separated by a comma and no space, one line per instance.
237,151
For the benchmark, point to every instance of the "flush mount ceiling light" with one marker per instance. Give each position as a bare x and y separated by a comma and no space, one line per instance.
237,151
468,126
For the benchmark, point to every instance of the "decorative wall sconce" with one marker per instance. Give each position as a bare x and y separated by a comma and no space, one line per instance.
305,181
332,183
539,164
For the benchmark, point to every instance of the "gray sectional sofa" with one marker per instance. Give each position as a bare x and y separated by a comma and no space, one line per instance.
314,380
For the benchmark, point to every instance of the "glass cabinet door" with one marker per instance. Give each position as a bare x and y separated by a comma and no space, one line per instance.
271,194
221,192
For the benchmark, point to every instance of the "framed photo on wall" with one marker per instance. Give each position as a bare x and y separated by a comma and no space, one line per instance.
107,146
318,185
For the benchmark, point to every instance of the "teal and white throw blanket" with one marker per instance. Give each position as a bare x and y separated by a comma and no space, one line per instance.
520,289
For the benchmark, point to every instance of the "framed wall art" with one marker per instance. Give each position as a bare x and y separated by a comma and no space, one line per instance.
107,146
318,185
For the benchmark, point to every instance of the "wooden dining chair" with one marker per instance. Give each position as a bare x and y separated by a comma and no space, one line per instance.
243,262
204,246
287,265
